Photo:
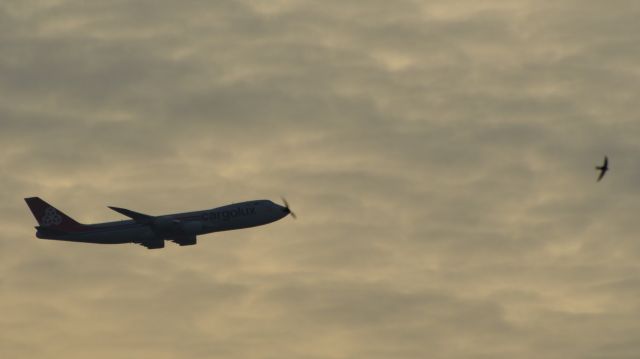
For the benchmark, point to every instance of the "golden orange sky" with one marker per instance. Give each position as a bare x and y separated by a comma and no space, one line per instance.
439,154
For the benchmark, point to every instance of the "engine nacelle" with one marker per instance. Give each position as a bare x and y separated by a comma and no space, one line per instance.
185,240
154,244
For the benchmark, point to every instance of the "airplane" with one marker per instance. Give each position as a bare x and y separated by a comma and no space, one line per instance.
152,231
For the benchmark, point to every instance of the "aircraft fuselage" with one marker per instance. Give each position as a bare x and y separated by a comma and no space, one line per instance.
151,231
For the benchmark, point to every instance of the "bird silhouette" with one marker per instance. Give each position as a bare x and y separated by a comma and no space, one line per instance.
603,169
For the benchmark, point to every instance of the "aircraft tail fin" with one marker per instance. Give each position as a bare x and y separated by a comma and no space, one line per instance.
51,218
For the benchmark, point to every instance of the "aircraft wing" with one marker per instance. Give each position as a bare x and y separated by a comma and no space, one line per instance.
602,172
136,216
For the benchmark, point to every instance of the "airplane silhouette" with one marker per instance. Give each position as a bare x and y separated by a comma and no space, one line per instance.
603,169
152,231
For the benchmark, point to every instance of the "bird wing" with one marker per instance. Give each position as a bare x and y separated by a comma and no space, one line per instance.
602,172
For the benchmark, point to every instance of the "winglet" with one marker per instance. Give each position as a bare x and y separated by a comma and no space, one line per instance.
138,217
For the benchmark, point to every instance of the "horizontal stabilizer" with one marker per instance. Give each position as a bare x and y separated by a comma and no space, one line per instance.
50,231
138,217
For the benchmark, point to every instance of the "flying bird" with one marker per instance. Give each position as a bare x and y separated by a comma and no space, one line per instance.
603,169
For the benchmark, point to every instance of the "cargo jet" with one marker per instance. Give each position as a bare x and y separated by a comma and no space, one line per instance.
152,231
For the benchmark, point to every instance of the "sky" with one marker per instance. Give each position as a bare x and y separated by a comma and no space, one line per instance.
439,155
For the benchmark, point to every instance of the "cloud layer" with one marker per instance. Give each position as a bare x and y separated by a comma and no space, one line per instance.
439,155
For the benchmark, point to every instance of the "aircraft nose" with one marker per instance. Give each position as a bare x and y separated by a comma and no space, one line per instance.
286,209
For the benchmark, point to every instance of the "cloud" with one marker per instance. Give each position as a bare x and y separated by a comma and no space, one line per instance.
439,156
